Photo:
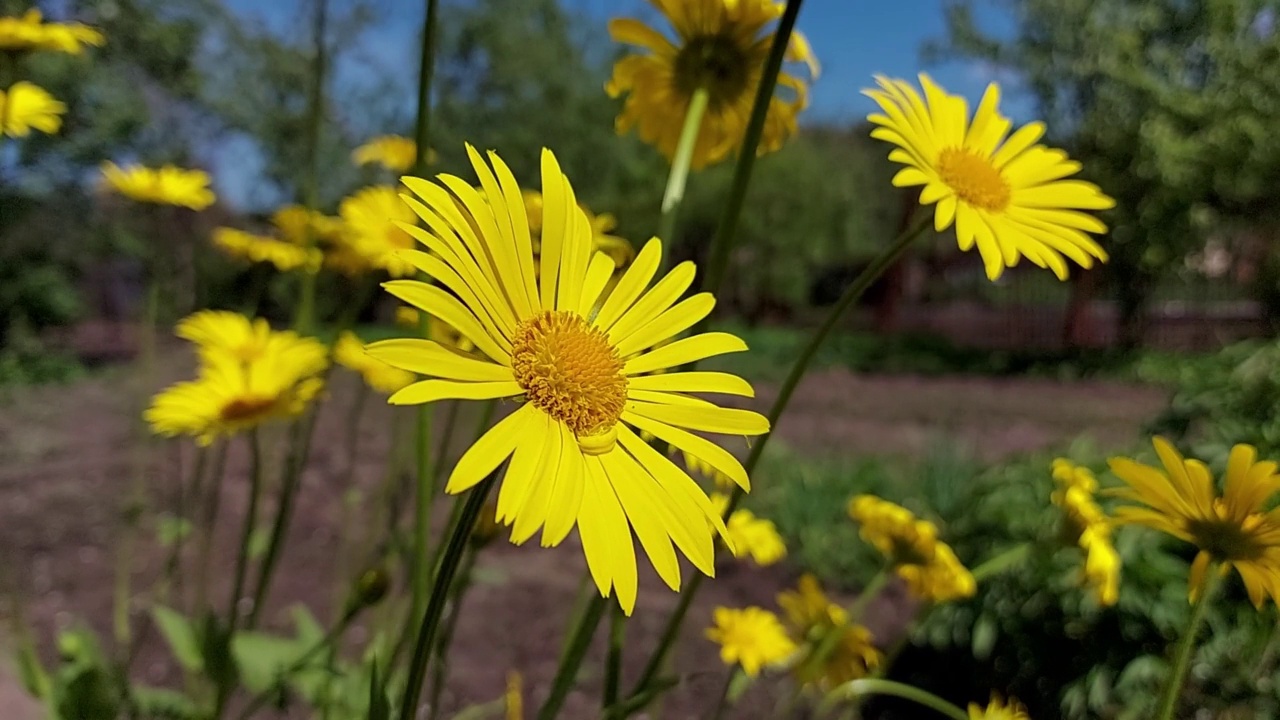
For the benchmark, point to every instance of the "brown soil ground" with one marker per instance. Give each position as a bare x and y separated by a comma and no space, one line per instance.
68,458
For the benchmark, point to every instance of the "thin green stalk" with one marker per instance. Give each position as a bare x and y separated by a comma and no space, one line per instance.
575,650
680,162
850,296
722,702
430,623
722,241
315,122
330,639
208,525
1006,560
350,445
440,670
613,662
446,439
172,577
246,534
1187,645
877,686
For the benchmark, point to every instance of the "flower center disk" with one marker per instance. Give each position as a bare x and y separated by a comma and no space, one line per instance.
570,371
715,63
974,179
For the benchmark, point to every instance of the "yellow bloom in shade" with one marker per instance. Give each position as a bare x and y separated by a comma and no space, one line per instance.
1008,195
372,218
1234,528
751,637
749,535
1088,526
30,32
698,466
998,709
26,107
167,185
349,352
575,459
249,374
393,152
720,47
300,226
808,608
285,256
929,566
811,618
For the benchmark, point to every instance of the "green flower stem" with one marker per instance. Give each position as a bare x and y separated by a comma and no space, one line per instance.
212,504
305,318
446,439
575,650
674,193
430,622
1006,560
1187,645
246,534
440,670
722,702
351,444
876,686
187,494
722,241
613,661
851,295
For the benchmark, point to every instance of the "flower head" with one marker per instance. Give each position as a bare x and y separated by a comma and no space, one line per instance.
373,218
285,256
349,352
168,185
1089,527
929,566
302,226
749,535
751,637
719,47
26,107
583,378
30,32
1234,528
393,152
998,709
1008,195
696,465
811,619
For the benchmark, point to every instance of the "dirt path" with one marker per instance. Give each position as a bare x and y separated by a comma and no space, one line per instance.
67,462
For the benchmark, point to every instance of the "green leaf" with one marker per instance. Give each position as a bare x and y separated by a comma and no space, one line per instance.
181,637
34,677
262,658
215,650
258,542
170,530
985,633
164,704
310,633
379,706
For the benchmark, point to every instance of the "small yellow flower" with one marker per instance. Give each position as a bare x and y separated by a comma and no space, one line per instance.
30,32
929,566
1009,196
373,218
1233,528
300,226
437,329
349,352
720,47
167,185
393,152
285,256
1088,527
808,608
513,698
26,107
998,709
749,535
751,637
811,619
697,465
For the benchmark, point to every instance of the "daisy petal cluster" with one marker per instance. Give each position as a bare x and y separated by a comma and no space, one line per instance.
720,48
30,33
349,352
751,536
929,566
1005,193
811,619
249,374
1233,528
1088,526
372,230
998,709
393,152
26,107
304,240
583,380
751,637
168,185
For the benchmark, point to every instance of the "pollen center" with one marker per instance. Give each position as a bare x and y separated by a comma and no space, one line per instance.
974,179
716,63
569,370
1228,539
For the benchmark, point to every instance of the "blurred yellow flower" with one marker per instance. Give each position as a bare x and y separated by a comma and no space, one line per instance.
601,225
1089,527
575,459
285,256
809,609
696,465
373,219
514,696
751,637
749,535
437,329
30,32
26,107
1234,528
812,618
393,152
301,226
167,185
1009,196
929,566
349,352
998,709
249,374
720,47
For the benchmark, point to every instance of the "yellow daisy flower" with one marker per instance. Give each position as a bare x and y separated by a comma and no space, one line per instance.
584,379
1008,195
393,152
811,618
26,107
808,608
223,331
349,352
751,637
30,32
749,535
720,47
698,466
998,709
437,329
167,185
301,226
372,218
285,256
929,566
601,225
1233,528
1088,526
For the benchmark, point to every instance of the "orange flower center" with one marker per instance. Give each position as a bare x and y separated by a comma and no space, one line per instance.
570,371
974,179
243,409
